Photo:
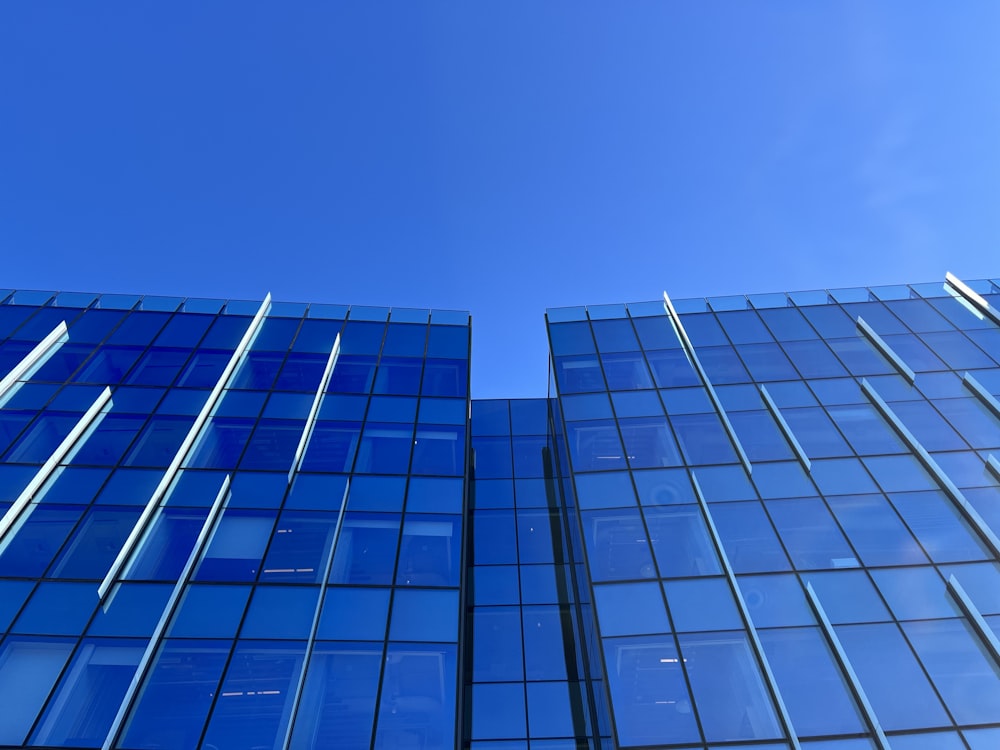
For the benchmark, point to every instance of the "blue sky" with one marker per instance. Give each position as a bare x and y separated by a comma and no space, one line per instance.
501,157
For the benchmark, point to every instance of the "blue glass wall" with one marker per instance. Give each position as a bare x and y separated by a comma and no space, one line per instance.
744,522
747,468
297,562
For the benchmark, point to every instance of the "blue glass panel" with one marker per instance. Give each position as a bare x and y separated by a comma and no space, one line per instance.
384,449
429,551
61,364
791,393
366,548
451,342
614,336
732,699
847,596
138,328
748,538
681,541
376,493
648,691
35,539
26,396
299,548
133,611
362,337
354,614
760,436
865,429
42,438
158,367
392,409
158,442
492,493
421,695
893,681
535,529
317,492
184,330
630,609
257,490
209,611
767,362
166,547
129,487
626,371
240,404
439,450
226,332
343,407
915,593
936,523
617,547
301,372
339,696
236,546
703,439
724,483
584,406
497,711
981,582
775,601
108,365
176,696
276,334
810,534
981,739
497,584
434,495
289,406
544,629
316,336
220,443
656,332
594,446
578,374
815,432
811,685
280,612
57,608
571,338
494,537
257,371
782,480
419,615
957,351
606,490
197,489
256,696
445,377
179,401
13,594
704,330
702,604
965,676
273,444
649,443
842,477
332,447
814,359
353,374
96,542
490,417
529,456
550,713
977,425
405,340
876,532
29,668
663,487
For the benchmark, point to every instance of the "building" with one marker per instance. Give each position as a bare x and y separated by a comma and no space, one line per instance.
746,522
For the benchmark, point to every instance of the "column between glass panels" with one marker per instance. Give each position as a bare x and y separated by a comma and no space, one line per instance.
169,477
972,297
758,647
77,436
975,618
693,356
307,431
887,351
201,542
314,627
971,514
981,393
848,669
32,361
785,428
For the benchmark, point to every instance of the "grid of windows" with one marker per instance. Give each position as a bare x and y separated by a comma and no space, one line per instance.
743,522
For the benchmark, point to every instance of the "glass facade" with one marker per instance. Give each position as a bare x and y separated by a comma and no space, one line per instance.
743,522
